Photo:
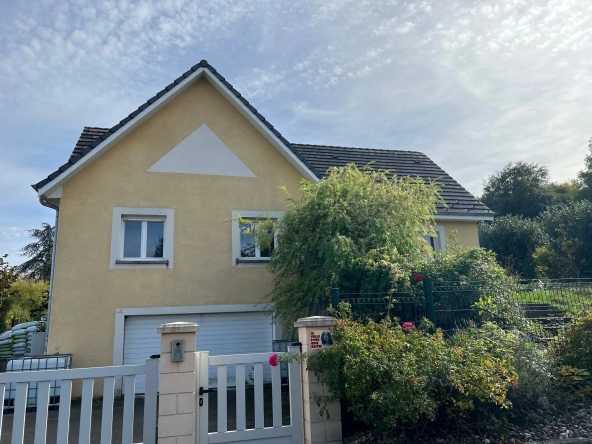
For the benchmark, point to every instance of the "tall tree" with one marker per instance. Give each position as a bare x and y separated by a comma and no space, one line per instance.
27,302
564,192
585,176
357,230
520,188
38,267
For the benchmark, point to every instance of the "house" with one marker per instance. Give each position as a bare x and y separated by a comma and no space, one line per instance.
143,211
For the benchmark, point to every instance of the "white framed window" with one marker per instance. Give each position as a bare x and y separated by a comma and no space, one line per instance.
438,241
245,251
249,250
142,238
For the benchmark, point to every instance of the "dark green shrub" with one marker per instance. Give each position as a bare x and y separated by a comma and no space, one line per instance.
389,377
573,345
514,239
568,254
463,278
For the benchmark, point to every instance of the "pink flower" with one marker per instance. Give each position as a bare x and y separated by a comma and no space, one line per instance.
418,278
273,360
407,327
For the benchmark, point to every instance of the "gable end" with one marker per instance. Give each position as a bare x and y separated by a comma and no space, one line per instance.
92,149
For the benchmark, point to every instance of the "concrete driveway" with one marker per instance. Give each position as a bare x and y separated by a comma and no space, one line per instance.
52,424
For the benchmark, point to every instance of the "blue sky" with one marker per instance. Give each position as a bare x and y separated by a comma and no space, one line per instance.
473,84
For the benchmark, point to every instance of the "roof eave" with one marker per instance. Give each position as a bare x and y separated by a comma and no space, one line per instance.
464,217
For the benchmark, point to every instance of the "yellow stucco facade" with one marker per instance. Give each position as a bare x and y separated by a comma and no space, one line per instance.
87,291
466,232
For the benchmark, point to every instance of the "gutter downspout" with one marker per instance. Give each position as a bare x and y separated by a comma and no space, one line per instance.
43,202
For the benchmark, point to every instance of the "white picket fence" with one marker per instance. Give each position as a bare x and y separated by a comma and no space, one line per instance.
109,374
278,433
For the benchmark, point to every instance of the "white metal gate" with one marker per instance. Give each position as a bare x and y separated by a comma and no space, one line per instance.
277,433
45,378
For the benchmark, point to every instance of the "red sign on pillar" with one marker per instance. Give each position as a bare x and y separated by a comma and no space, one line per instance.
320,339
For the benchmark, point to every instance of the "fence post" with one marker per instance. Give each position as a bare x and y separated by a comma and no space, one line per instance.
177,399
429,299
335,297
150,401
312,333
296,418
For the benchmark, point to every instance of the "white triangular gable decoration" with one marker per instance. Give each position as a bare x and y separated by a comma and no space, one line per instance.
202,152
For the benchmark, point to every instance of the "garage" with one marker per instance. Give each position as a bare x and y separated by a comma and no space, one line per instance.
219,333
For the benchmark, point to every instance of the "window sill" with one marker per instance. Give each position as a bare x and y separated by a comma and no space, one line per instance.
142,262
251,261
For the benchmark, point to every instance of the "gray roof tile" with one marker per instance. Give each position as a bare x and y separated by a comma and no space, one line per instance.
401,163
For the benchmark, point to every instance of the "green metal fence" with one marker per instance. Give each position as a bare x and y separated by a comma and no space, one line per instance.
404,306
547,304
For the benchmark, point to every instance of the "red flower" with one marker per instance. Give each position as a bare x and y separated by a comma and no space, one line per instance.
409,266
418,278
273,360
408,326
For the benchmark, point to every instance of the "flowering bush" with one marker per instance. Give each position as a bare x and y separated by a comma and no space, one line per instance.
389,377
407,327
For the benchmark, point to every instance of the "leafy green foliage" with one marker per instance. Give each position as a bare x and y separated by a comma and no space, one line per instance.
573,346
38,267
534,367
27,302
520,188
585,176
572,352
8,275
514,239
460,280
20,300
565,192
568,252
389,377
352,230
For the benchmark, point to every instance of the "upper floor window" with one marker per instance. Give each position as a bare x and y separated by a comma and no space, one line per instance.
249,249
142,237
245,249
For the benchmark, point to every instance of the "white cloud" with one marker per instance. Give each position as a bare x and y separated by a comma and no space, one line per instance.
405,28
15,183
12,239
473,84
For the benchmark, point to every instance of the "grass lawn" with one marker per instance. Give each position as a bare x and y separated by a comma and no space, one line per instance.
568,299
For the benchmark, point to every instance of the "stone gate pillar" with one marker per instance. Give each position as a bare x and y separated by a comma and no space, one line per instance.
314,334
176,407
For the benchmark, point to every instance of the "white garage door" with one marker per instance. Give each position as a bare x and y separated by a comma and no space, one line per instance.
219,334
